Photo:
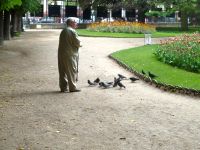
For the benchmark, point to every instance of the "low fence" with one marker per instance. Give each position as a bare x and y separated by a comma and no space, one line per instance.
166,24
52,26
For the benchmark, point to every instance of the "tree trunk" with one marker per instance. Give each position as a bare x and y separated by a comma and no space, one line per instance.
22,24
19,16
13,22
141,16
1,27
141,13
6,25
184,21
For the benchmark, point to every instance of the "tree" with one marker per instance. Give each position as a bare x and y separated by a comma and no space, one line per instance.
5,5
28,6
18,11
141,5
197,13
185,7
6,25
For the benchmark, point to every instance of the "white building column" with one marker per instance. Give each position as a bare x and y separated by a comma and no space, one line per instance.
45,8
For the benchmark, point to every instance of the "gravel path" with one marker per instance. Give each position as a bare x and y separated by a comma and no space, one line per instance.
34,115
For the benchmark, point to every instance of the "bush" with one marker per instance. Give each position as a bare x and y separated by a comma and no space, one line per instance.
121,27
182,52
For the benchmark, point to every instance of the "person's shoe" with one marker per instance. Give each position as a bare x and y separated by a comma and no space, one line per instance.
76,90
63,90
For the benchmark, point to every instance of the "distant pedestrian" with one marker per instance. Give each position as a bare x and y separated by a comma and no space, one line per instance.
68,57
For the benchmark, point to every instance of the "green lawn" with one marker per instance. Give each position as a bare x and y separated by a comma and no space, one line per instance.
161,32
142,58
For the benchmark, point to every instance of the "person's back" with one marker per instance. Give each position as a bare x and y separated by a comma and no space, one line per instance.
68,57
66,42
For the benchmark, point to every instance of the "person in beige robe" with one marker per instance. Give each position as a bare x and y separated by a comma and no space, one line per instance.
68,57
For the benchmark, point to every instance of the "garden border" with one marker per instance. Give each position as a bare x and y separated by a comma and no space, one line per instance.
162,86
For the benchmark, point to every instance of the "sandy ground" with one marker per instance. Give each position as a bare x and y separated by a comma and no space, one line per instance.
34,115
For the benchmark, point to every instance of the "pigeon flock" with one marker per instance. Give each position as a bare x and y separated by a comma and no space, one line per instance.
118,80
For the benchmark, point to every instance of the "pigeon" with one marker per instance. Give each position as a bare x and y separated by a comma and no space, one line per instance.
121,76
97,80
91,83
109,83
143,72
100,84
105,85
151,75
133,79
116,80
120,85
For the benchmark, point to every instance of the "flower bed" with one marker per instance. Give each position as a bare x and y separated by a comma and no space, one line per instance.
182,51
121,27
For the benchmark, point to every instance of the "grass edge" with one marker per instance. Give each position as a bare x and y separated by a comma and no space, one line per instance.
160,85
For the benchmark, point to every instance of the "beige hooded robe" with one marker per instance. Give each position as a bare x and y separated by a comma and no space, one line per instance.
68,56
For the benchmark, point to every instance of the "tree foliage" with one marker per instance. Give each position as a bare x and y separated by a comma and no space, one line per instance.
85,3
185,7
29,5
8,4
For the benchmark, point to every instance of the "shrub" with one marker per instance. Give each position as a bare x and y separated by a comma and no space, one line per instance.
121,27
182,51
17,34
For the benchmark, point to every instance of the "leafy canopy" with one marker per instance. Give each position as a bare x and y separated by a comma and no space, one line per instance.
30,5
8,4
